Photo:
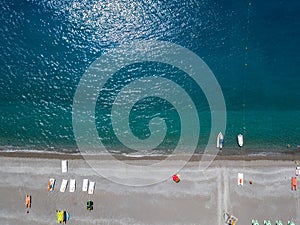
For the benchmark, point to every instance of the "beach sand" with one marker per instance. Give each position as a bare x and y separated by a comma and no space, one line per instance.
201,197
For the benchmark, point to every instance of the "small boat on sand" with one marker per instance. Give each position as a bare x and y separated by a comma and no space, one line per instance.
240,140
220,141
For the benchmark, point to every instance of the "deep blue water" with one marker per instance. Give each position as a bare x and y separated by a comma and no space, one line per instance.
252,47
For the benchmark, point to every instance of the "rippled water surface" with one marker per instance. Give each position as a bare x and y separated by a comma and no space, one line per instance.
252,48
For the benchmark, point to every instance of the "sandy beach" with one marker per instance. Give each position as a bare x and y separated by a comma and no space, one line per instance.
201,197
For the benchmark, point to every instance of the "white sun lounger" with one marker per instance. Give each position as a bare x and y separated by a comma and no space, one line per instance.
91,188
72,185
240,179
64,166
297,172
85,184
63,186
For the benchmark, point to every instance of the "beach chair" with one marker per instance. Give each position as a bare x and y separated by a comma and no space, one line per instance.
72,185
290,223
294,183
267,222
254,222
91,188
67,216
240,179
64,166
85,184
297,171
61,216
51,183
230,219
63,186
278,222
28,201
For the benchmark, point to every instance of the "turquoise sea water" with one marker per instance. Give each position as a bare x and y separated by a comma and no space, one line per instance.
252,47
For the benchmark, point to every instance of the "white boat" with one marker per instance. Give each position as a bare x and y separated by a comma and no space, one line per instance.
220,141
240,140
72,185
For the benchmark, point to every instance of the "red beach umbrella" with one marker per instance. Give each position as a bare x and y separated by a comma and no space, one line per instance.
176,177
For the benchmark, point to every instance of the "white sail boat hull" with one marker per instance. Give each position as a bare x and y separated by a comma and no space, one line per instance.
240,140
220,140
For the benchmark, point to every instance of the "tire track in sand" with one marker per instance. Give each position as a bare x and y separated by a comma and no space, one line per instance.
223,194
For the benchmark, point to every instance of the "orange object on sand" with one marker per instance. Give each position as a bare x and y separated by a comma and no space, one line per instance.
294,183
28,201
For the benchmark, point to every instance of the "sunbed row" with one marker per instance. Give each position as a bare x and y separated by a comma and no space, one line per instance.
86,185
268,222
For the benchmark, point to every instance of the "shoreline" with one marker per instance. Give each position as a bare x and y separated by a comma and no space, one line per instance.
291,156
